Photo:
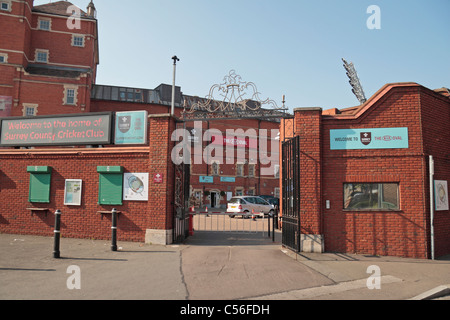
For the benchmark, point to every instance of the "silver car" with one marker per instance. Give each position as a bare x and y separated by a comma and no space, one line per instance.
248,205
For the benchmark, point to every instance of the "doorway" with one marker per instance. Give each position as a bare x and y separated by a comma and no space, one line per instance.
215,199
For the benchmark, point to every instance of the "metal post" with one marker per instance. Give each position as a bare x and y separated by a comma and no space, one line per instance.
114,230
432,206
175,59
56,249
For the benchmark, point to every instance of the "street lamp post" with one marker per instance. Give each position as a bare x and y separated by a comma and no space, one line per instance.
175,59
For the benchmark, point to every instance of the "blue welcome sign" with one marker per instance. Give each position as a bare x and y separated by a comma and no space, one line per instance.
131,127
204,179
380,138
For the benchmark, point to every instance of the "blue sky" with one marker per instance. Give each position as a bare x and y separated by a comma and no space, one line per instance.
286,47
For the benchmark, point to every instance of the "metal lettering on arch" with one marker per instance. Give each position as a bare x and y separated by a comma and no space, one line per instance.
232,99
291,194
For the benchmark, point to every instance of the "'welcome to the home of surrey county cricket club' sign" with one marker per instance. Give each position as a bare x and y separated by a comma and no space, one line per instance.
84,129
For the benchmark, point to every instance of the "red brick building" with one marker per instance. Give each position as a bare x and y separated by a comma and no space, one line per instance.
48,58
48,64
364,174
362,182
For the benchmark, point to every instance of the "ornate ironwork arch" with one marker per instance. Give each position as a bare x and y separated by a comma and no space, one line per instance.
232,99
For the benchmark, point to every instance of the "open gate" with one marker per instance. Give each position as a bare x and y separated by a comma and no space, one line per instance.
181,203
226,101
291,194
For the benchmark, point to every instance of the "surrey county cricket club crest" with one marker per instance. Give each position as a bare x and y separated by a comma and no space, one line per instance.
124,124
366,138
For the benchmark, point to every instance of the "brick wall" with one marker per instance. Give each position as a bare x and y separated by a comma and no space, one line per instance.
308,125
20,37
401,233
77,222
435,123
404,232
161,205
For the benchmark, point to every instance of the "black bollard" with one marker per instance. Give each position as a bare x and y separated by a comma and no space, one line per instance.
114,230
275,218
56,249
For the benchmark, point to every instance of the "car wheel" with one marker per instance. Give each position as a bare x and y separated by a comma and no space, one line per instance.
246,213
231,216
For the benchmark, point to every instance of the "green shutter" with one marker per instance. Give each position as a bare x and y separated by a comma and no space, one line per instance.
40,187
110,189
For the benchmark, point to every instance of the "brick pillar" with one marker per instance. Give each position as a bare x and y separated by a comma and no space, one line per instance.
161,195
308,125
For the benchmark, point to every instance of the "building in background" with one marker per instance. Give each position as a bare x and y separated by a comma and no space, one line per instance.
48,63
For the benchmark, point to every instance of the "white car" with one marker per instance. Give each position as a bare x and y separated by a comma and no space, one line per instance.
248,205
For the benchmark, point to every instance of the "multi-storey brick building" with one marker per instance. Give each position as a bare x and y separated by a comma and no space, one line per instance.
48,63
48,58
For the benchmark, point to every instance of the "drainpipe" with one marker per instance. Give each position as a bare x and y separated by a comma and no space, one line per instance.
432,206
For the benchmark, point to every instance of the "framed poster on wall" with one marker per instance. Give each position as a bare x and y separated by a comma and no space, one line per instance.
72,192
441,192
135,186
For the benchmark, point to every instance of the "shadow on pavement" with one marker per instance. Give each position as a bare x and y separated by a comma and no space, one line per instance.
212,238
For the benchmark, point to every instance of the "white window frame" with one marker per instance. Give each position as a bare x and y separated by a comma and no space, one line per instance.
276,170
252,170
30,106
8,4
41,51
215,172
83,39
67,90
4,57
240,167
44,20
239,191
276,192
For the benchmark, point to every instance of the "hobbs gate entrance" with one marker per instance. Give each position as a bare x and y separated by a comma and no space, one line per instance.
197,148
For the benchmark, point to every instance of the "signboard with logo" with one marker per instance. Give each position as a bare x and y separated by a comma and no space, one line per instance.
71,130
158,178
233,141
203,179
131,127
380,138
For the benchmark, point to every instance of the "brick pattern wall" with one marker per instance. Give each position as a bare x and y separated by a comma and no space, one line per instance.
160,213
20,37
78,221
308,126
435,123
404,232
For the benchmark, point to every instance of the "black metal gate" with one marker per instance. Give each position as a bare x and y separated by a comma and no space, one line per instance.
181,203
291,194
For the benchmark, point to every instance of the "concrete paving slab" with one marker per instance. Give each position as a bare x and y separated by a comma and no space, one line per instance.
136,272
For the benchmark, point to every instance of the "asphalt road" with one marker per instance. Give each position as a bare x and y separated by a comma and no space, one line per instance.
219,266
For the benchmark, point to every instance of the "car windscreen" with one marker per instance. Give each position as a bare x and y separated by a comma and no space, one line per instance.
235,201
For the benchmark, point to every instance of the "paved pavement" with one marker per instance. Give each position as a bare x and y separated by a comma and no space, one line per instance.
219,267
